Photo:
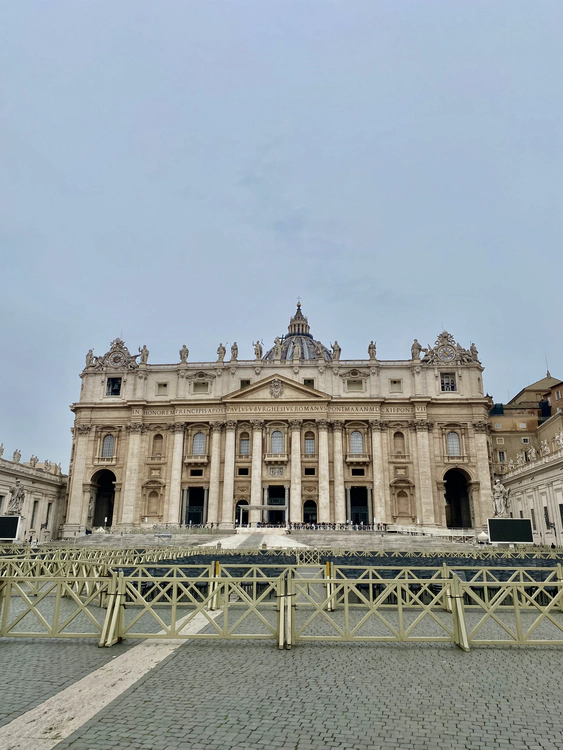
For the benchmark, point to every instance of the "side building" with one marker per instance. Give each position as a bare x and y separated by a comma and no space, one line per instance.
527,436
35,491
296,434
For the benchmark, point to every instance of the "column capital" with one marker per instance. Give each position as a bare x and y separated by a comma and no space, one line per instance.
480,426
217,426
83,429
337,426
230,424
136,427
322,424
257,424
177,427
377,424
422,425
296,424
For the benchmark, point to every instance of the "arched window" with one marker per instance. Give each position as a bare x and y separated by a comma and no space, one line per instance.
277,442
244,447
399,443
108,444
199,444
157,443
356,442
453,445
309,443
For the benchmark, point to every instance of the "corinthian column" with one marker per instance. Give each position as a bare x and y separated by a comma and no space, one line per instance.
379,515
213,501
339,493
324,496
294,514
229,476
130,485
174,497
256,478
484,508
425,472
76,513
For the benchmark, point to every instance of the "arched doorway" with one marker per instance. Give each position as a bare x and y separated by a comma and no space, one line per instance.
105,496
241,513
458,509
310,512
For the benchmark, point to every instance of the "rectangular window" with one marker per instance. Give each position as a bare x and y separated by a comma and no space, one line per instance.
309,382
500,441
447,380
557,395
243,471
498,426
533,516
522,425
354,385
201,387
358,472
395,386
245,446
34,513
196,472
309,472
546,517
310,446
521,514
161,389
561,513
113,387
1,502
525,440
48,517
244,383
501,457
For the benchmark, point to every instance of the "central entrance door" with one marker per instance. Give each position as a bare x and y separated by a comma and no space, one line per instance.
195,508
276,497
359,512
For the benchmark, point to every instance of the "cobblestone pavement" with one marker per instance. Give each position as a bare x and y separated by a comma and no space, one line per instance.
249,696
33,670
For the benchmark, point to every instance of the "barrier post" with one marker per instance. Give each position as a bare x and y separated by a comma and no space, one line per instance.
281,610
458,612
446,598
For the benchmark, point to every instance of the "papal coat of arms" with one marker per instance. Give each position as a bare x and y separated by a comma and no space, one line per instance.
276,388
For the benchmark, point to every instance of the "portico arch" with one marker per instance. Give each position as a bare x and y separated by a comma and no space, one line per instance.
457,497
104,482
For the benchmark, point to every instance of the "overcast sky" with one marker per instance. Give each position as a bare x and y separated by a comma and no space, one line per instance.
179,171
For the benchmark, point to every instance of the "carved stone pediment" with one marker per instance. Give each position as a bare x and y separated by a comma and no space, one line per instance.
118,358
200,375
276,387
353,373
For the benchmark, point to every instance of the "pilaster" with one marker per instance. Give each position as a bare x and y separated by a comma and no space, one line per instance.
213,507
339,494
229,476
324,485
294,512
174,496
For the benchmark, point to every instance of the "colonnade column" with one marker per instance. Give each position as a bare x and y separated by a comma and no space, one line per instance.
324,495
339,493
256,471
286,496
425,472
76,515
229,476
176,473
378,496
213,502
130,489
294,512
483,474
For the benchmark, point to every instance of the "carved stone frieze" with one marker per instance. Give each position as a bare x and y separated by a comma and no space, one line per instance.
353,373
142,374
201,375
83,429
309,488
136,427
480,426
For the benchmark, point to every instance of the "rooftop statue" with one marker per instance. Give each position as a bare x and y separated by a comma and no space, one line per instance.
221,351
144,352
184,354
17,497
335,351
371,350
234,352
415,350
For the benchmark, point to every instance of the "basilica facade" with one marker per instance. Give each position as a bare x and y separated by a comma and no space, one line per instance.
295,435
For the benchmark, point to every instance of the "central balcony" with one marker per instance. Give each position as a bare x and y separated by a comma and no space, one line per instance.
357,458
276,458
193,459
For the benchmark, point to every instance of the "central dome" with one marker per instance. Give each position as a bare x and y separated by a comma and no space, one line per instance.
298,343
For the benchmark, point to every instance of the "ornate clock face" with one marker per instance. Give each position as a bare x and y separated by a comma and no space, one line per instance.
117,359
446,353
